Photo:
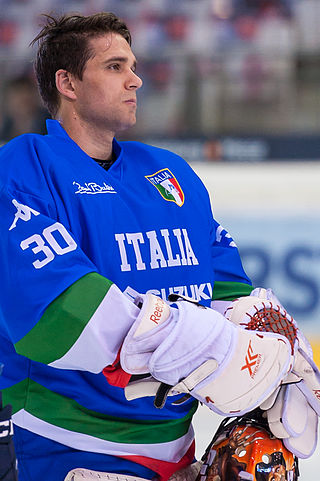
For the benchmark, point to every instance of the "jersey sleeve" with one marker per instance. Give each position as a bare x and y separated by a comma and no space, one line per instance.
231,281
55,307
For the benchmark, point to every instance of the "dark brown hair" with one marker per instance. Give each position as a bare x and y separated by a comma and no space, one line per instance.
63,44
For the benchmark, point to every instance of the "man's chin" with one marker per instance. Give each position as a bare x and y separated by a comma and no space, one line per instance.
127,125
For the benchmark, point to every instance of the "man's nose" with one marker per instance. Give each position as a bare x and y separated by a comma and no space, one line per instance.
134,82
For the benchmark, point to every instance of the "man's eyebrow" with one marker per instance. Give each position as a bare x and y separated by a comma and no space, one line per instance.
121,60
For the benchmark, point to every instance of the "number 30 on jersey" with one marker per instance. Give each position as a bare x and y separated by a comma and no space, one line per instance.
48,245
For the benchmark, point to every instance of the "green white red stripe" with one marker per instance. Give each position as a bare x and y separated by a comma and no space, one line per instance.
83,328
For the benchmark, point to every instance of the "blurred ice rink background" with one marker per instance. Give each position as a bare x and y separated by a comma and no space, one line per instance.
241,74
272,209
233,86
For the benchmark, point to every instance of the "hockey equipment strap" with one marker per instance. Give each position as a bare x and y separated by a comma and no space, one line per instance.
197,351
150,387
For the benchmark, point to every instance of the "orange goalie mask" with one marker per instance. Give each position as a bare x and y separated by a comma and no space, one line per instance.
244,449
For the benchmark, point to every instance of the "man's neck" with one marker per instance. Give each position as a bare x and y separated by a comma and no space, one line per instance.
95,142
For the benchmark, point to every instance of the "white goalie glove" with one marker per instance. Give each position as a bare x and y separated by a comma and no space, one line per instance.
300,393
196,350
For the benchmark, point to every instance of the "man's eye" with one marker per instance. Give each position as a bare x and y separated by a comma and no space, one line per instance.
114,66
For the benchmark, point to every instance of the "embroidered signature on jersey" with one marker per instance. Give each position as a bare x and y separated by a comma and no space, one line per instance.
167,185
93,188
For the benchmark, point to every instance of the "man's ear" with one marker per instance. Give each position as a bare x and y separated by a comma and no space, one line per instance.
64,84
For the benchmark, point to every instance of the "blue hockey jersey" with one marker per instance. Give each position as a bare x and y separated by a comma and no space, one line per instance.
74,237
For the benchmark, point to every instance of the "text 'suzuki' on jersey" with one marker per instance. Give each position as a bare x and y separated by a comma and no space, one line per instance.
176,249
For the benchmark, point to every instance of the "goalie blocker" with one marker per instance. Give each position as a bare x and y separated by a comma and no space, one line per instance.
198,351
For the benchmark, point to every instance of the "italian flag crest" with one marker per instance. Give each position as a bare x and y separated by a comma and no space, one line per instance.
167,185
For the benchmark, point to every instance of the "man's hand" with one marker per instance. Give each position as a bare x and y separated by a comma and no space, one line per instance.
197,351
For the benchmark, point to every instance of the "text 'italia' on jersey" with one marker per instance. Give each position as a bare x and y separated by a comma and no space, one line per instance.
165,248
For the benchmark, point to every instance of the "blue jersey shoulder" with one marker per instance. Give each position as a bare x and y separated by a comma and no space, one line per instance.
18,159
136,148
162,158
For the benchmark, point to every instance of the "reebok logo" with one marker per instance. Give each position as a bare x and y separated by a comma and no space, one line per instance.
252,361
157,311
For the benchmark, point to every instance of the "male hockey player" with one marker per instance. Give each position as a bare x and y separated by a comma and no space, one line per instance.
95,234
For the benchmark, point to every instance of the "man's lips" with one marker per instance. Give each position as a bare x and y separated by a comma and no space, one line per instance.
131,101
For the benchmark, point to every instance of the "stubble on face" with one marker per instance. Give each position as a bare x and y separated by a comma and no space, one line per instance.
106,95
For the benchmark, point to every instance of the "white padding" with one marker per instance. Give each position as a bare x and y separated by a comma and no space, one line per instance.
81,474
198,351
288,416
254,369
303,446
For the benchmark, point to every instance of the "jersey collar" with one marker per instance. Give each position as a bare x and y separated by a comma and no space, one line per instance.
55,128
